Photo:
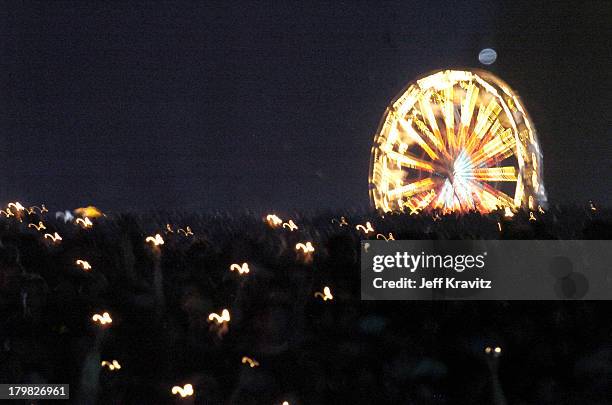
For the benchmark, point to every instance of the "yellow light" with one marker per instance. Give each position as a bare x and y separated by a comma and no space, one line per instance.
102,319
381,236
83,264
156,240
89,211
290,225
184,391
325,295
187,231
55,237
219,319
242,269
273,220
365,229
38,227
84,222
114,365
252,362
305,247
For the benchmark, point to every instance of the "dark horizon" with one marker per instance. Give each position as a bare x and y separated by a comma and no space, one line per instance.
193,106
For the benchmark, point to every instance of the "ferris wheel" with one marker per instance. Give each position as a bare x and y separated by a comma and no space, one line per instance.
456,141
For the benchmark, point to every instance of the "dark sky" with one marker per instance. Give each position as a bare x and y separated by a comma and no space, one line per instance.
273,105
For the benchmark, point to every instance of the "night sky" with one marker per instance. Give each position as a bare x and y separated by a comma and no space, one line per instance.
273,106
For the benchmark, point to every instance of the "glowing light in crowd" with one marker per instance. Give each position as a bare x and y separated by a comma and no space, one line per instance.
242,269
251,362
83,264
508,212
37,227
17,205
6,213
531,217
291,225
219,319
55,237
89,211
381,236
495,351
365,229
187,231
305,247
184,391
273,220
591,206
42,209
499,226
156,240
325,295
341,222
84,222
541,210
102,319
114,365
456,141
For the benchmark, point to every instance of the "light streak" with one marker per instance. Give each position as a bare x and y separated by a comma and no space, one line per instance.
531,217
219,319
102,319
242,269
83,264
156,240
55,237
89,211
290,225
38,227
273,220
305,247
252,362
325,295
184,391
17,205
381,236
342,222
508,212
114,365
365,229
84,222
187,231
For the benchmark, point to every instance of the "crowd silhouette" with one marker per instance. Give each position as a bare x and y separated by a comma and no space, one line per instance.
307,350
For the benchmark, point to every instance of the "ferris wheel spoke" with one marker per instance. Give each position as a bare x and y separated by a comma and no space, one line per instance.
406,128
485,118
499,148
411,189
409,161
505,173
431,120
449,116
467,110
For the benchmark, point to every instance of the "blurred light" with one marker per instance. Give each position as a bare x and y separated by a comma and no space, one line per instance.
38,227
155,240
325,295
244,269
85,223
273,220
84,264
55,237
111,366
103,319
487,56
291,225
365,229
219,319
89,211
252,362
184,391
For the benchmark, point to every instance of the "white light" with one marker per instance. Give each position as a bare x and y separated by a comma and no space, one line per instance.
487,56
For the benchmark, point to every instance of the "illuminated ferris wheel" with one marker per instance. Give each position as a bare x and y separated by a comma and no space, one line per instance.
456,141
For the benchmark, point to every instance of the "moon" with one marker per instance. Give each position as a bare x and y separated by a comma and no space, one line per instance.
487,56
